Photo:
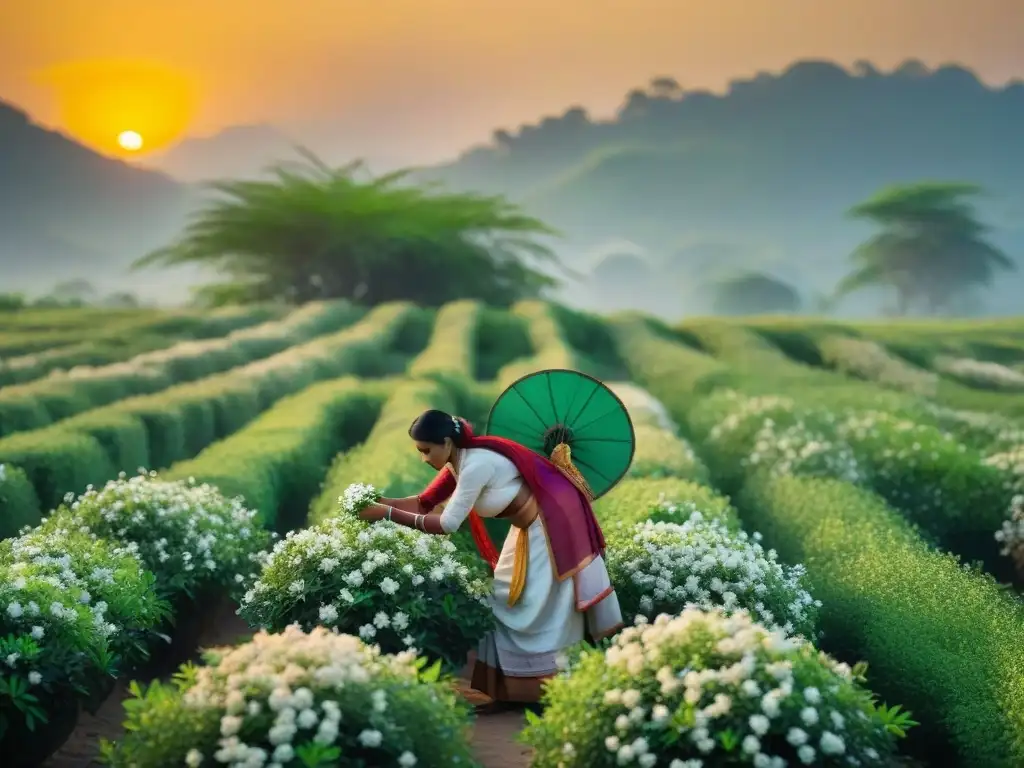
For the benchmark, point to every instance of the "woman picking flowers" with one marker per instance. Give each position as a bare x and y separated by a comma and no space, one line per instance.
551,586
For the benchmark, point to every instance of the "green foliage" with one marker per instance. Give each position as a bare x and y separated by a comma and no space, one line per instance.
385,583
277,461
105,574
318,232
452,348
549,347
669,499
946,641
660,452
75,612
717,690
19,505
931,249
753,294
501,337
179,422
657,567
189,535
61,395
662,364
349,707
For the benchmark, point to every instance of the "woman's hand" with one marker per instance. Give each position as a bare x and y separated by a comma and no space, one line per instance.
373,513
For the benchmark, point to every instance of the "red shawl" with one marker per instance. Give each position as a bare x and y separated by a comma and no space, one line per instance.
573,532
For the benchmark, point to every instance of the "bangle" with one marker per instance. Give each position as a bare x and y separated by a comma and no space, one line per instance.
390,510
419,522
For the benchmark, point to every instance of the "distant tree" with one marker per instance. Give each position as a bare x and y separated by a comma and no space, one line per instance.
753,293
121,300
931,249
312,231
665,88
77,292
11,301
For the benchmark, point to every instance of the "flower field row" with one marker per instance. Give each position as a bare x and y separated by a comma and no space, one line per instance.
90,593
550,349
143,335
921,366
722,662
277,461
701,683
159,429
944,640
29,331
178,538
63,394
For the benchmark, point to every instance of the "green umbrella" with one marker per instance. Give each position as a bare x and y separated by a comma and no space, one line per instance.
551,407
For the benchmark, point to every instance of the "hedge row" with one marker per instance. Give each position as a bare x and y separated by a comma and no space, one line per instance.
549,347
873,358
946,642
105,351
660,451
660,486
387,459
19,505
452,347
501,338
914,614
940,484
871,361
937,481
46,401
276,463
160,429
33,331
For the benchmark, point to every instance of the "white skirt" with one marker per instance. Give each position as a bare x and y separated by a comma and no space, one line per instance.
550,615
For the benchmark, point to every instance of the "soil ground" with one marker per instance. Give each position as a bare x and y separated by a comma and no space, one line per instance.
494,735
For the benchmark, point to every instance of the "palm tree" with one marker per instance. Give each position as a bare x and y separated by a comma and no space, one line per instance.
932,249
752,293
312,231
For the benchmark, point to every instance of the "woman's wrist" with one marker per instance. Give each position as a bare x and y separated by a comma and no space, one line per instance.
425,523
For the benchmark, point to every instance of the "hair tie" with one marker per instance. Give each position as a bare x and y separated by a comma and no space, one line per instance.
457,424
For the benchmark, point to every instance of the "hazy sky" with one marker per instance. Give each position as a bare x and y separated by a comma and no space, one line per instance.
436,75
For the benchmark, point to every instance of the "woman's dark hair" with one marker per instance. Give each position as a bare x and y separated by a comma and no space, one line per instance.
434,426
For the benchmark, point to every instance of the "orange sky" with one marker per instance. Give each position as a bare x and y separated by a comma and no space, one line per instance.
439,74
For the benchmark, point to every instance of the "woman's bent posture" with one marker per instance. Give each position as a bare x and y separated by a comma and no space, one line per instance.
551,586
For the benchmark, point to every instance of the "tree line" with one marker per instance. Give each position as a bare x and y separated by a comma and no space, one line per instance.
310,231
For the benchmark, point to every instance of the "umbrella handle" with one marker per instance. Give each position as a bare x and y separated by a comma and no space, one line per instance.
561,457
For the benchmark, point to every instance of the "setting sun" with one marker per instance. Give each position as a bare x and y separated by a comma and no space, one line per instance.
122,106
130,141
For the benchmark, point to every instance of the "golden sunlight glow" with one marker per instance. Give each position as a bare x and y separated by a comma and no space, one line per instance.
98,98
130,141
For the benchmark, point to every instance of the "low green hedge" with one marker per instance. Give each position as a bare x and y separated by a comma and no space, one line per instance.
98,349
452,347
667,368
19,505
660,451
46,401
668,499
937,482
181,421
549,347
946,642
501,338
388,459
276,463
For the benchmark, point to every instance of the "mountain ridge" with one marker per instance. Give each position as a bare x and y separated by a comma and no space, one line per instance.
769,165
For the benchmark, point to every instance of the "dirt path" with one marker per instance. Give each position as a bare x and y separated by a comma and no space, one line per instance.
494,736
